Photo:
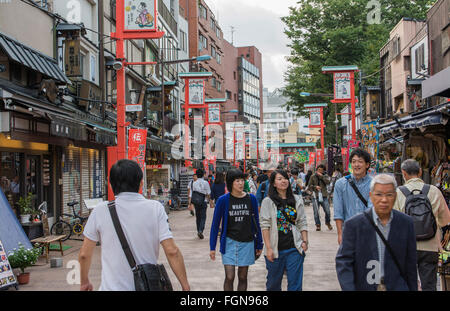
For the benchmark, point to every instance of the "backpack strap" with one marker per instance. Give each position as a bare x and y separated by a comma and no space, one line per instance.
405,191
426,189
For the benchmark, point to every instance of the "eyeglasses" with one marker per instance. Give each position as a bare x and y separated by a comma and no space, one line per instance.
389,195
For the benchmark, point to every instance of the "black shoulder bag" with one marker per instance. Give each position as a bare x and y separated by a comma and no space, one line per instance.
147,277
197,198
388,247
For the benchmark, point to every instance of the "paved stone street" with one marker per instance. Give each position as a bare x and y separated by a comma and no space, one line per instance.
203,274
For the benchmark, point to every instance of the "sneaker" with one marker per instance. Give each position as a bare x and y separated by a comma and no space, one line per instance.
317,227
200,235
330,227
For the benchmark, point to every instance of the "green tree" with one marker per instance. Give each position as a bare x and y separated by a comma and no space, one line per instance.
337,32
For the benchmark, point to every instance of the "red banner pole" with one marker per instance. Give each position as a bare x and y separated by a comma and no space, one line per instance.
352,90
121,134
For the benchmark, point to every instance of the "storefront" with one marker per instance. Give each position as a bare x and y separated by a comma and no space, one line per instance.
423,136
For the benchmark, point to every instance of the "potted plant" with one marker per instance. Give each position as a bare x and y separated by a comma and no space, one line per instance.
22,258
25,207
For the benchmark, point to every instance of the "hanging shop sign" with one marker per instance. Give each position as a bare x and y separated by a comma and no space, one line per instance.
370,138
214,113
137,140
196,92
342,85
314,117
312,158
140,15
7,277
72,57
319,155
345,157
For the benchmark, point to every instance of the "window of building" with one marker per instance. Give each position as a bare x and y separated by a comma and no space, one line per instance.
228,95
219,86
213,51
183,41
202,42
420,58
202,11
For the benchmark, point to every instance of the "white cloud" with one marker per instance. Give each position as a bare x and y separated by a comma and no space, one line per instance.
258,23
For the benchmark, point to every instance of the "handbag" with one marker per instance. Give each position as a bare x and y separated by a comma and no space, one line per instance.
197,198
147,277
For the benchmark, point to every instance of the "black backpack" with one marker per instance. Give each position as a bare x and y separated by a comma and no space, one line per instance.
418,206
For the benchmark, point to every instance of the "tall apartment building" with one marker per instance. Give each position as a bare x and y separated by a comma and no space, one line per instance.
205,38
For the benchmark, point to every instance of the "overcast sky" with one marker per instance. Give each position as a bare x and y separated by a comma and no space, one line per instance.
258,23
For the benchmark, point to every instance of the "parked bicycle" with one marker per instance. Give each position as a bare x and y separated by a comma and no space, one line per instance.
74,226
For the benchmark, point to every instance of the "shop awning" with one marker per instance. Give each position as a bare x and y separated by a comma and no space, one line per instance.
433,116
168,85
437,85
32,59
21,96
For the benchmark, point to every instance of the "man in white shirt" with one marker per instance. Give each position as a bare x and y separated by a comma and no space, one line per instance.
200,185
145,225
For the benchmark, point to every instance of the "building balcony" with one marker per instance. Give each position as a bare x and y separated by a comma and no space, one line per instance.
168,17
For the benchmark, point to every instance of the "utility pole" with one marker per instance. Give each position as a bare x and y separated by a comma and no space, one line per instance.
232,34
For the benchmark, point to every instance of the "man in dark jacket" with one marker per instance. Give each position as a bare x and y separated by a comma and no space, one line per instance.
363,261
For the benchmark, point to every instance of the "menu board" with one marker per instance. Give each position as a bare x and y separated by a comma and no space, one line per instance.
7,277
46,169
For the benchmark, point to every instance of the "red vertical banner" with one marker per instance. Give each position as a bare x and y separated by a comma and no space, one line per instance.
345,157
312,158
137,140
319,155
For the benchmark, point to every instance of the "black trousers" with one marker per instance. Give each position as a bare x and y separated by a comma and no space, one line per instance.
200,215
427,263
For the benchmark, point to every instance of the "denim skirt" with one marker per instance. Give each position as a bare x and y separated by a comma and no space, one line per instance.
239,254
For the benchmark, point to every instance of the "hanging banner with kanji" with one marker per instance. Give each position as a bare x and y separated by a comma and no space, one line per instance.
196,92
319,155
214,113
314,117
345,157
140,15
312,158
137,140
342,85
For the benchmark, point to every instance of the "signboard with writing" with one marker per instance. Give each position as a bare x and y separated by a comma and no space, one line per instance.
137,140
314,116
342,85
7,277
214,113
312,158
196,92
72,58
370,138
319,155
140,15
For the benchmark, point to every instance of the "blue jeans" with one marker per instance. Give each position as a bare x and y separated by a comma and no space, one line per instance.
326,209
291,261
200,215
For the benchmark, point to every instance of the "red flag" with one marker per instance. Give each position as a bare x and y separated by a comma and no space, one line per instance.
137,140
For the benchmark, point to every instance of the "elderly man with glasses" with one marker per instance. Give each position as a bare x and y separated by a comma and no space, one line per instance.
378,250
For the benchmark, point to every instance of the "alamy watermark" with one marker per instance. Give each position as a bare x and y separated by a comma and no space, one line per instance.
374,14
